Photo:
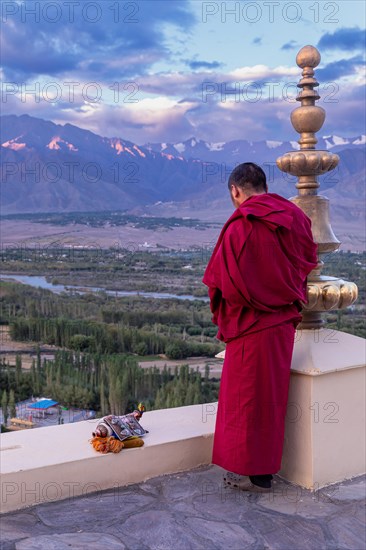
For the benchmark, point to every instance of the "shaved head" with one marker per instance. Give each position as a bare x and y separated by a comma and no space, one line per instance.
248,177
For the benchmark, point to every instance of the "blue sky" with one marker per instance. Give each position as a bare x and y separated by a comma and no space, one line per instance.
162,71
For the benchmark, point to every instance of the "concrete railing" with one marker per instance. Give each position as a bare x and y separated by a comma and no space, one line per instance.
324,437
58,462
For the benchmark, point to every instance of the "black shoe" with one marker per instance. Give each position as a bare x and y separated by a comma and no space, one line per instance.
263,481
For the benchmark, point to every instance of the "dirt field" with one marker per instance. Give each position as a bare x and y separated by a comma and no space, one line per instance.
27,234
27,350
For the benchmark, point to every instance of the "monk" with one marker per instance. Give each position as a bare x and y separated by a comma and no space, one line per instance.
256,280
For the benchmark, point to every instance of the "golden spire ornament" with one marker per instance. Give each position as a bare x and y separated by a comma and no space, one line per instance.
324,293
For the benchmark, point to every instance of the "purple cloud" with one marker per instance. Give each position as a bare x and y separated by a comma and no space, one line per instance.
292,44
346,38
132,34
204,65
338,69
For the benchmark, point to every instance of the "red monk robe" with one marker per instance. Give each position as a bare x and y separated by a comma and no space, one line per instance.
257,281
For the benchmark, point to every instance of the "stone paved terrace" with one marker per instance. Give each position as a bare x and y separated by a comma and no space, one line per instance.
192,510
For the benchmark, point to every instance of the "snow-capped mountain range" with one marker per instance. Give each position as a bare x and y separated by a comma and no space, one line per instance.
257,151
49,167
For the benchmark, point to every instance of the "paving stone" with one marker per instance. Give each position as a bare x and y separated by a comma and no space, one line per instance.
182,508
220,534
288,499
153,489
18,525
74,541
180,488
209,472
159,530
358,511
93,512
293,534
351,491
348,532
222,503
194,511
128,499
130,542
176,487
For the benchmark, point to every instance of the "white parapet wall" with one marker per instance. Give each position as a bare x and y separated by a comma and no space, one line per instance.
324,438
58,462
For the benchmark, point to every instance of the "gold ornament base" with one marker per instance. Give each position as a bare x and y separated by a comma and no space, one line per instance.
326,294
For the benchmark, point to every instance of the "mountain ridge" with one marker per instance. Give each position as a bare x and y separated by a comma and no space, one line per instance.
231,151
49,167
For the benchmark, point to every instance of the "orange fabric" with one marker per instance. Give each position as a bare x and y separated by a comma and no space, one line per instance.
113,445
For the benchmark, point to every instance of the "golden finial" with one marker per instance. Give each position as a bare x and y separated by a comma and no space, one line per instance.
324,293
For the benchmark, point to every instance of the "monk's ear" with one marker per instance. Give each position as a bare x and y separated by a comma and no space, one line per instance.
235,191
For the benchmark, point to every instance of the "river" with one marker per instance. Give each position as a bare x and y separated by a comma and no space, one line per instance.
41,282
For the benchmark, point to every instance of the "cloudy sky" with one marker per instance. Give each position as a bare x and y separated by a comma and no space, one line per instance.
164,71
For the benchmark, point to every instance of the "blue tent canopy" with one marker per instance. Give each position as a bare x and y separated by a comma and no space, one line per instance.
42,405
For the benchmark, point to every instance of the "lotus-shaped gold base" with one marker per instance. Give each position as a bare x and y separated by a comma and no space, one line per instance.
307,162
330,293
326,294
